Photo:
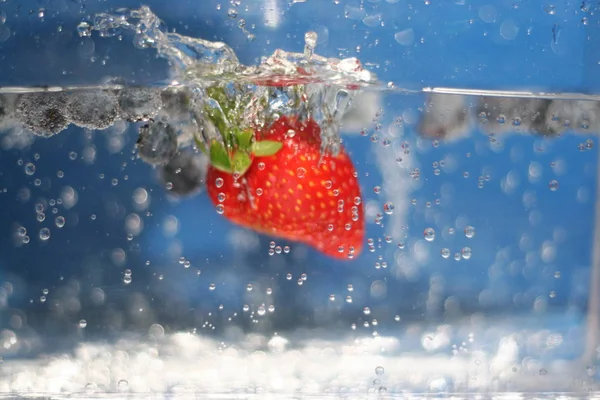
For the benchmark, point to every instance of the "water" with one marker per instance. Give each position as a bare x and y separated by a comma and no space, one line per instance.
118,276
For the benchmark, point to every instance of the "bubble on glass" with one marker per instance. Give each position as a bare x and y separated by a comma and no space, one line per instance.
469,232
30,169
44,234
388,207
465,253
123,385
553,185
429,234
445,252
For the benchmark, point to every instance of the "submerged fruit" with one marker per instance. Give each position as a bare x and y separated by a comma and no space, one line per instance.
297,193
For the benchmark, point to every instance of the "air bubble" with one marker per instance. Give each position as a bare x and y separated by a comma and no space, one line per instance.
59,221
553,185
30,168
469,232
445,252
44,234
388,207
466,253
429,234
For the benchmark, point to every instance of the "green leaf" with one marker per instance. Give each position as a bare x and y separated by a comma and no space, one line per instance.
219,157
244,139
200,144
218,119
266,148
219,94
241,162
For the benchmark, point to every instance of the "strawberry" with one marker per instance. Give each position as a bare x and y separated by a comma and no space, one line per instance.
281,185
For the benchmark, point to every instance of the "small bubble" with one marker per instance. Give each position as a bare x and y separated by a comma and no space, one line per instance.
445,252
249,287
261,310
557,274
379,370
366,311
30,168
469,232
377,189
429,234
123,385
397,318
82,323
553,185
288,276
388,207
60,221
44,234
212,286
90,388
552,294
466,253
220,209
332,297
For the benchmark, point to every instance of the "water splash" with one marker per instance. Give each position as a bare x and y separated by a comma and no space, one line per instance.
304,84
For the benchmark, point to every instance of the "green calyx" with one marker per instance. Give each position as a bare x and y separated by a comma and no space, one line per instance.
235,153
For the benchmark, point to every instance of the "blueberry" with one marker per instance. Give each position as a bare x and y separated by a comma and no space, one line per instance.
139,104
157,143
93,109
185,173
43,113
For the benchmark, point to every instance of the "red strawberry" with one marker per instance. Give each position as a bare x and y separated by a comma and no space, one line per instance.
296,193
